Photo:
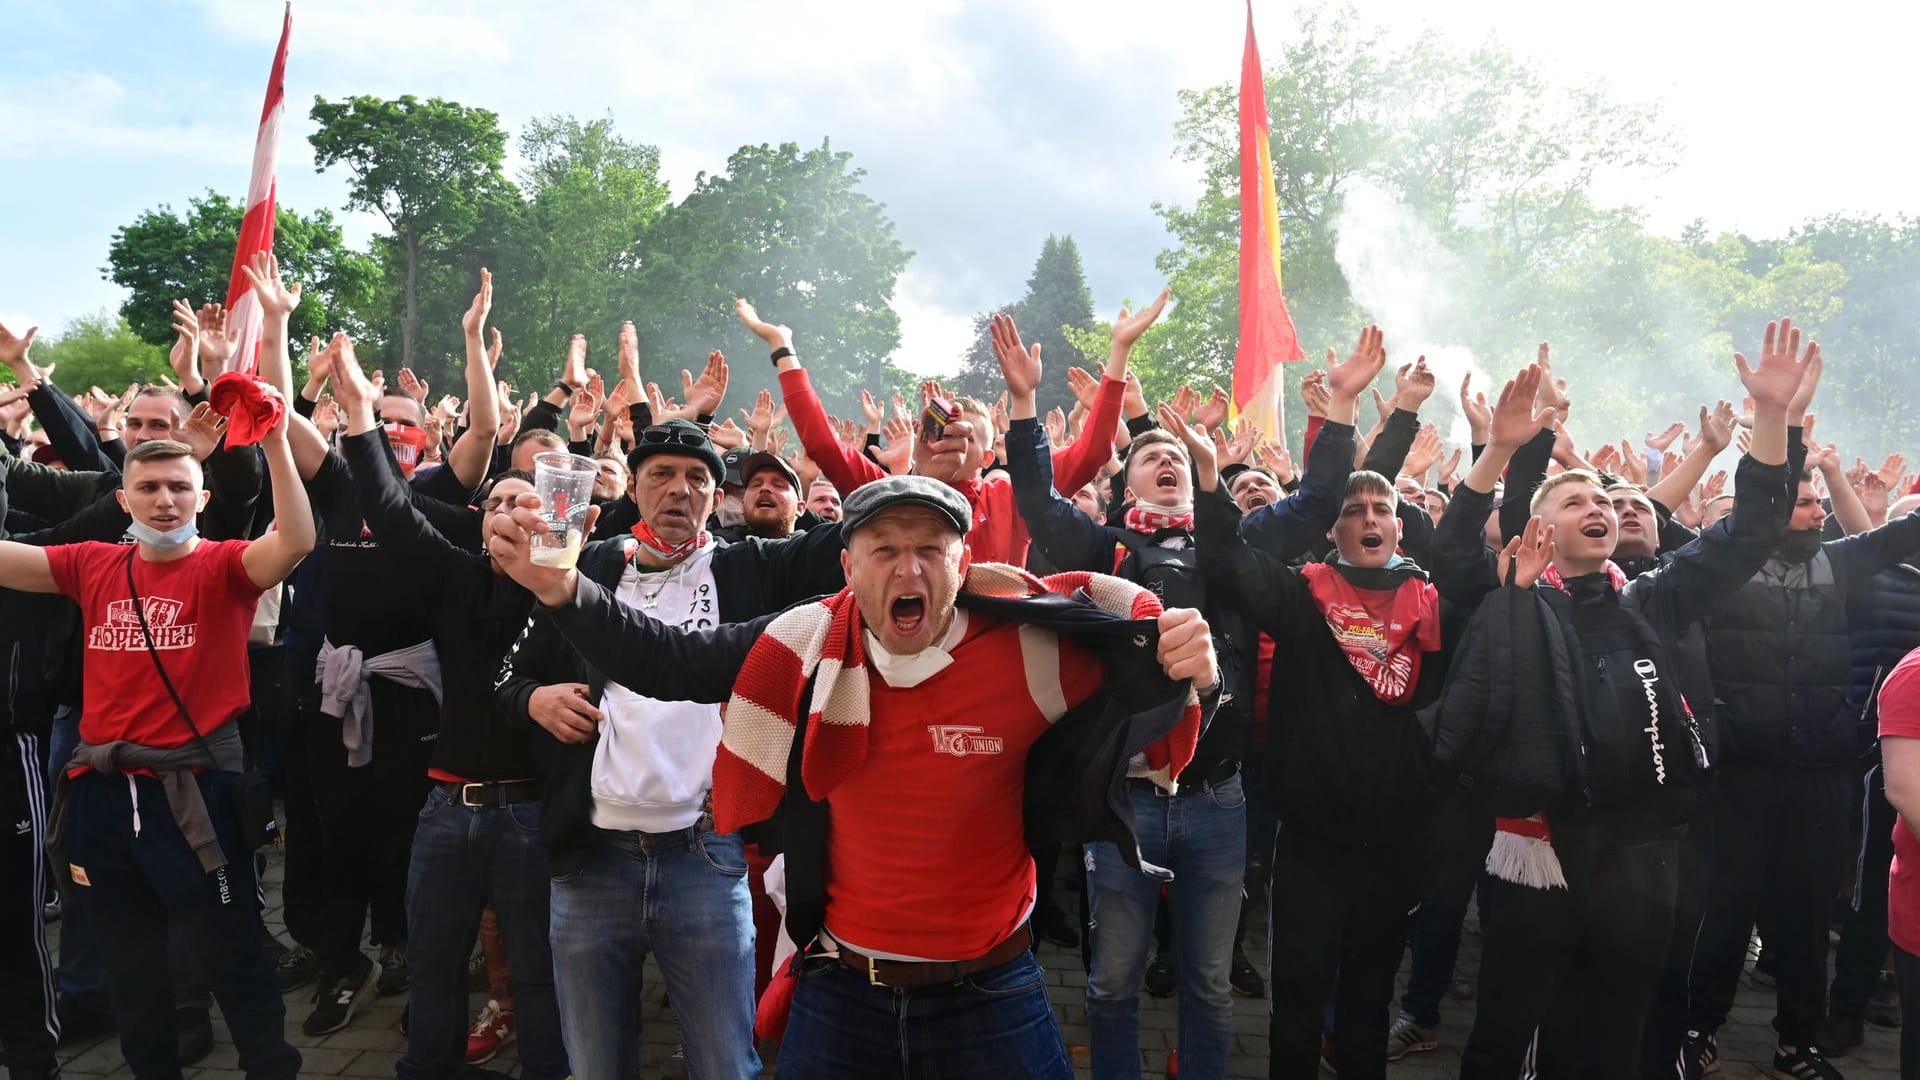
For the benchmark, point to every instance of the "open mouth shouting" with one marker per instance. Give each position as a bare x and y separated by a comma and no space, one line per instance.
1372,541
1256,501
907,614
1167,479
1594,530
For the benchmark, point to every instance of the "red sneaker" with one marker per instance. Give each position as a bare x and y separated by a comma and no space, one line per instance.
491,1031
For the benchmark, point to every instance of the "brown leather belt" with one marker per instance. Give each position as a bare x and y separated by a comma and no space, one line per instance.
912,974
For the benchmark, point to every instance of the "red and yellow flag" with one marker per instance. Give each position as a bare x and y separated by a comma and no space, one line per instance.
1267,337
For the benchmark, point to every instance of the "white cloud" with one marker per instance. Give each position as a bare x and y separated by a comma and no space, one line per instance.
933,334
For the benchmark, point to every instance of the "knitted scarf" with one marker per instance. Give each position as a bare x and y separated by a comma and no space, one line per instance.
824,642
1151,519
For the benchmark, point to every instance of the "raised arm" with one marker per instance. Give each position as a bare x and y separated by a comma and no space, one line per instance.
845,465
623,644
385,502
271,558
25,567
1716,434
1286,529
472,452
1080,462
277,301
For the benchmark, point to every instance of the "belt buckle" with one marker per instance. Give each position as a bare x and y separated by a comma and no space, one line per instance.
873,973
466,800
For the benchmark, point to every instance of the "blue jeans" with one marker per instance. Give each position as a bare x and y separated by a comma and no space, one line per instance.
463,859
1201,835
994,1024
143,879
683,895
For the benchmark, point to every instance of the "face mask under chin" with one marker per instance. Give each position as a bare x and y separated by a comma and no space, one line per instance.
164,541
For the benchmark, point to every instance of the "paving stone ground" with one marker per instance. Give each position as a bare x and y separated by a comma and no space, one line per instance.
372,1043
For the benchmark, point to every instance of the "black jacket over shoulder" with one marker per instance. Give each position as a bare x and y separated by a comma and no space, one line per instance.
754,579
1782,653
1075,784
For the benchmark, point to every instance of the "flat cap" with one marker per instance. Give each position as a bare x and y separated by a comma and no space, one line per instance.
871,499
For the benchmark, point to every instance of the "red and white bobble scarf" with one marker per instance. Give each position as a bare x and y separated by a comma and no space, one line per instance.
1151,519
825,642
1522,850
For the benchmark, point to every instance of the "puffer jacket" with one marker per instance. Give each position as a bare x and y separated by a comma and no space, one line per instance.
1782,653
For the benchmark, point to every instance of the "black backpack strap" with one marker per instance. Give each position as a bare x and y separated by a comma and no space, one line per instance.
153,652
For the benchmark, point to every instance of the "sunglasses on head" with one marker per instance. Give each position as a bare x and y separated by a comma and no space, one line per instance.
676,436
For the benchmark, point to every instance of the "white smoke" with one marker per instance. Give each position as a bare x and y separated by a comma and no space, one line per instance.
1404,278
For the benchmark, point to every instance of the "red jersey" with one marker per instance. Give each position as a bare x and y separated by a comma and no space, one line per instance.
1900,717
199,608
926,842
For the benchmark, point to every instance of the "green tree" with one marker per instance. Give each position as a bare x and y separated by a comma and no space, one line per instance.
162,256
101,350
430,169
592,198
792,231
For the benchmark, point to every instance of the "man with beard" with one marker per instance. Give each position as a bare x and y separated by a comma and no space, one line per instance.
1780,656
769,500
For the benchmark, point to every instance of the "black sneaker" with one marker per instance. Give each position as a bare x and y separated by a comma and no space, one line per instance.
50,911
1805,1063
334,1002
195,1028
1245,978
81,1022
273,946
1699,1055
394,975
1839,1034
1883,1008
297,968
1161,980
1054,926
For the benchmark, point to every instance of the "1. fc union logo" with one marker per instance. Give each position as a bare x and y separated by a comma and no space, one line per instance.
961,740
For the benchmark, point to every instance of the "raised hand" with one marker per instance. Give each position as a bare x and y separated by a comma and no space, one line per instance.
1514,419
1716,428
1130,325
1809,382
1552,392
727,436
1084,386
1185,401
475,320
1019,363
872,410
1450,469
1313,390
1777,379
1347,378
581,410
203,429
1665,439
413,386
1478,413
1057,428
1213,412
1277,457
775,335
13,352
630,359
1528,555
761,420
705,393
1633,465
263,273
1382,406
493,350
326,416
1424,452
1134,401
216,343
1239,448
1200,448
897,455
1891,470
1606,459
1413,385
574,371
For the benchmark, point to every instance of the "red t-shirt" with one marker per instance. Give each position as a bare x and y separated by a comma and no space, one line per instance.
1900,717
926,846
199,608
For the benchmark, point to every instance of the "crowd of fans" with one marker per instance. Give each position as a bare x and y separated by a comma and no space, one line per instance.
823,728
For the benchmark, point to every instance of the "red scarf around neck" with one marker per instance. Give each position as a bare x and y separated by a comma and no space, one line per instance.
1387,657
1551,576
653,542
1151,519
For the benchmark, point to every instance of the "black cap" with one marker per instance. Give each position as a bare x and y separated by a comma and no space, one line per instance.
732,460
870,499
676,437
766,459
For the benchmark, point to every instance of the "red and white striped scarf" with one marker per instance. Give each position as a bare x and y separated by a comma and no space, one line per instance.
825,642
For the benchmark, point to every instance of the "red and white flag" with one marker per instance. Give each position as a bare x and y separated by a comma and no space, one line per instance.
256,229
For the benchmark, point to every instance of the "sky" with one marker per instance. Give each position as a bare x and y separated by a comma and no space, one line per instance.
982,125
